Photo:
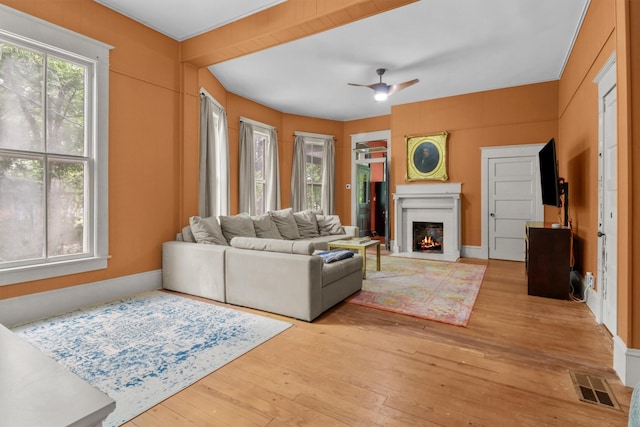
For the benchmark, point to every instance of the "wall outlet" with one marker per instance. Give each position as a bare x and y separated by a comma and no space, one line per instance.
589,280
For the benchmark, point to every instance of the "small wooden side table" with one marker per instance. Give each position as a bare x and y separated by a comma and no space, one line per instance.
357,245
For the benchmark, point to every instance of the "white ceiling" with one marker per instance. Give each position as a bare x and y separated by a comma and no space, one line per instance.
453,46
183,19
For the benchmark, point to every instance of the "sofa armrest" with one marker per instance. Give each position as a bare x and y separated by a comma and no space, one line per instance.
195,269
287,284
351,230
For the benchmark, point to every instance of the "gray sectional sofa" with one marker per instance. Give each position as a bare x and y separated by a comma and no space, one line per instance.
266,262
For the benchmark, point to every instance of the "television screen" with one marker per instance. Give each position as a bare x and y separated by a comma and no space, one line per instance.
549,174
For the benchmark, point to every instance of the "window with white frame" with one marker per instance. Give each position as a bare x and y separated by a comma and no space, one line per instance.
313,153
53,150
260,141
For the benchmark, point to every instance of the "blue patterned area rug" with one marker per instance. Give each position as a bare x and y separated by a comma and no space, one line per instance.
143,349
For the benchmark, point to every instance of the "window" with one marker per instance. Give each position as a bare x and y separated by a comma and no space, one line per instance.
259,187
313,153
53,145
260,141
312,172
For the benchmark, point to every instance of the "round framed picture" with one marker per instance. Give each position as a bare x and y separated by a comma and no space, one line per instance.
426,157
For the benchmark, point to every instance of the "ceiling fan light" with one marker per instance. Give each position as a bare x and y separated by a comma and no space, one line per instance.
380,96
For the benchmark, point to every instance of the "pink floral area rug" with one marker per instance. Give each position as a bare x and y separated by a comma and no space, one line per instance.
433,290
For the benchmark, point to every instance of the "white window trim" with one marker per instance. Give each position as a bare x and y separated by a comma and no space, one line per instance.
19,25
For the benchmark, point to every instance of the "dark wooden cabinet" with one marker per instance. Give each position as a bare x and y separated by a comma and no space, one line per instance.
548,260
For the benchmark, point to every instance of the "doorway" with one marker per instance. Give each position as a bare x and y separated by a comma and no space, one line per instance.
370,181
607,267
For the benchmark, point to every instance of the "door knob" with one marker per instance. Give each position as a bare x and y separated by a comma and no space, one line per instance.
600,234
492,215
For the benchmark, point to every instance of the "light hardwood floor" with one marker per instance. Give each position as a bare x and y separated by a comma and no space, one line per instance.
356,366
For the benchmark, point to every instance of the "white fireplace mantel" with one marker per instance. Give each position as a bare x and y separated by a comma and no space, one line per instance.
427,203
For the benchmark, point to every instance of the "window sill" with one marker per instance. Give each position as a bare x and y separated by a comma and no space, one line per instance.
29,273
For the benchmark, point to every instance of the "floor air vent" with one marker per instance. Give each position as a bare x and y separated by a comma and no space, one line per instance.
594,389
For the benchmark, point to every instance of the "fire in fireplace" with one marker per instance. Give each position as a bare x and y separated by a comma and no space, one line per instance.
428,237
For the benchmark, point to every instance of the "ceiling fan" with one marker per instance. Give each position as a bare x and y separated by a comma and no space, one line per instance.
383,90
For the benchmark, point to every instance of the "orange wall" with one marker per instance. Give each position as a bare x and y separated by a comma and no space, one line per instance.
518,115
143,130
578,126
629,298
628,93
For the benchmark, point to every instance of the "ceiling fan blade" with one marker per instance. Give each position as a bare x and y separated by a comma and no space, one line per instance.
374,86
395,88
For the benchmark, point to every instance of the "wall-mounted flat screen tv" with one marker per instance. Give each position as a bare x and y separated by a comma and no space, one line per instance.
549,178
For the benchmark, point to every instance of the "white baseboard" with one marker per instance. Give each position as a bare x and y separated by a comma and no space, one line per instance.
28,308
594,304
473,252
626,362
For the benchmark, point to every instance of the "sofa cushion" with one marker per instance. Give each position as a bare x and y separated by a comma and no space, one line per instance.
237,225
307,224
207,230
265,227
286,223
273,245
329,225
187,235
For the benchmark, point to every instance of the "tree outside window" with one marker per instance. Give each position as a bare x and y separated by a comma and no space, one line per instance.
313,171
44,159
260,141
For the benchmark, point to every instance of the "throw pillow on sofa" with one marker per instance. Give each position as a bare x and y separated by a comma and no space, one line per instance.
207,230
333,256
237,225
307,224
265,227
329,225
286,223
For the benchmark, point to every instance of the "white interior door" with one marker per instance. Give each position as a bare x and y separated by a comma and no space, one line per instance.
608,225
513,200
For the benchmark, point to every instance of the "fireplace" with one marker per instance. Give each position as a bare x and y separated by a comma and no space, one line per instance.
428,237
430,210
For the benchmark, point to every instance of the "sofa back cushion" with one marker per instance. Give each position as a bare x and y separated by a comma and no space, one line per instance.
307,224
265,227
237,225
206,230
286,223
273,245
329,225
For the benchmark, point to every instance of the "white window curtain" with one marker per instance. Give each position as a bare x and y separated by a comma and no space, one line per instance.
298,176
299,172
247,196
214,159
328,176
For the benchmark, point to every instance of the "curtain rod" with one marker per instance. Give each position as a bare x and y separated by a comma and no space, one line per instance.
208,95
313,135
256,123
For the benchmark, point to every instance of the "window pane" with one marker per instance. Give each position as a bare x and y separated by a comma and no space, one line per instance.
66,221
259,198
258,150
65,107
21,209
314,196
21,112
